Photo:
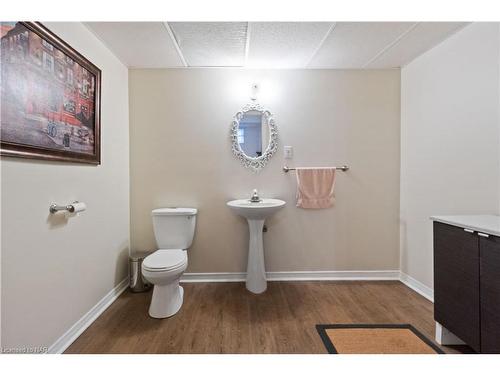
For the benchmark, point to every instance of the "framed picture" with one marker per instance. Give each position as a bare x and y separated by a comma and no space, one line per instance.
50,97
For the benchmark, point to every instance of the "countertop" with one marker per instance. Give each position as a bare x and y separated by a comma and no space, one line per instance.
489,224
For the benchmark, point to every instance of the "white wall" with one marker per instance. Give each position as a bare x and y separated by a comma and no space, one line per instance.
181,156
54,271
450,139
498,42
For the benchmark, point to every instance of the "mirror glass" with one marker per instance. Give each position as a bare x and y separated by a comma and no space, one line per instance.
253,134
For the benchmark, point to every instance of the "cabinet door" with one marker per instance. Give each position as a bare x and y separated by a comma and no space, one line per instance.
456,282
490,294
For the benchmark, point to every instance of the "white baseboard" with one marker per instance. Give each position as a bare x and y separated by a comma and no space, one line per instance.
417,286
212,277
85,321
409,281
292,276
333,275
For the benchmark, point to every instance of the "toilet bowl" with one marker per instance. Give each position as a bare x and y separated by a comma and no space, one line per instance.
164,269
174,232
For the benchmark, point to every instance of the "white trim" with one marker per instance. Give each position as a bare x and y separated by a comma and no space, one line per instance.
85,321
410,282
293,276
209,277
417,286
334,275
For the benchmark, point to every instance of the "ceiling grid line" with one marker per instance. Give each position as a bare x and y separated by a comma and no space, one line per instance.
322,41
176,45
271,45
390,45
247,44
429,47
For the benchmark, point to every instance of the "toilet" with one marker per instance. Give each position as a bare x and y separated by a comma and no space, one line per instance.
174,232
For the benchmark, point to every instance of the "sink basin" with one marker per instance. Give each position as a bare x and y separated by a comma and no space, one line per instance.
256,210
256,213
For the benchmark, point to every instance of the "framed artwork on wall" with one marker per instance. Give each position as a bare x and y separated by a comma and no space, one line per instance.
49,97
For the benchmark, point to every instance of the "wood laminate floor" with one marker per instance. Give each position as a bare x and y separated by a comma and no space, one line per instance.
226,318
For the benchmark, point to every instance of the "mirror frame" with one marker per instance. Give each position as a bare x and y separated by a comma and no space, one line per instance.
257,163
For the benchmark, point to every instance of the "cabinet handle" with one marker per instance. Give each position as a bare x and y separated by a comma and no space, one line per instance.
482,234
468,230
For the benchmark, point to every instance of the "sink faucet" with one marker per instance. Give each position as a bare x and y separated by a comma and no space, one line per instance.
255,197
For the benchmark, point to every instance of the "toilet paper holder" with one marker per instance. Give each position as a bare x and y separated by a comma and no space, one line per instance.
56,207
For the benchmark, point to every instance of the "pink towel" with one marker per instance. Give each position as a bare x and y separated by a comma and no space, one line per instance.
315,187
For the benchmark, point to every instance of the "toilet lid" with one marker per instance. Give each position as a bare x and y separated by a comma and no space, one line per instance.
165,259
174,211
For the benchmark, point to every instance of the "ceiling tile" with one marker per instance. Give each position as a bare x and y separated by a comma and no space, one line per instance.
211,43
353,44
138,44
419,40
344,45
284,44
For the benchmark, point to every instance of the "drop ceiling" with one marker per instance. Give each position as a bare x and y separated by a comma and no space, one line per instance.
292,45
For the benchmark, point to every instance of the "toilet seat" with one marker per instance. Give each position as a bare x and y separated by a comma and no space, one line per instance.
165,260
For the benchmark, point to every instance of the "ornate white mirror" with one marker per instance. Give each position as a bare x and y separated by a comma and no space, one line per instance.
254,136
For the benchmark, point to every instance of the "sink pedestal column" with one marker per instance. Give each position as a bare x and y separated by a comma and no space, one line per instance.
256,271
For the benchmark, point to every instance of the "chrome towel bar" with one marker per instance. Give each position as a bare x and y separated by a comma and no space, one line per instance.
343,168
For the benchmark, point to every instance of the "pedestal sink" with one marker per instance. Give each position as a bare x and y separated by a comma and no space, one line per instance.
256,213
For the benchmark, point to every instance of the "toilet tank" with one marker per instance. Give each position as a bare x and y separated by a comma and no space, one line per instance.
174,227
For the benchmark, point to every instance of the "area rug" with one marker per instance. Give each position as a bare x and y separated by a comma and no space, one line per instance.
375,339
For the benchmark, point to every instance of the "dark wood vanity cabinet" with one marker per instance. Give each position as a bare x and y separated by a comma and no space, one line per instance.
490,294
456,282
467,285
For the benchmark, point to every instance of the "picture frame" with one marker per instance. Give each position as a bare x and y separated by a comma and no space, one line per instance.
50,97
